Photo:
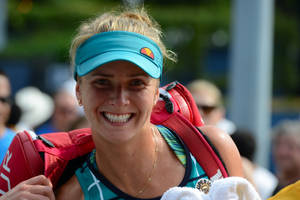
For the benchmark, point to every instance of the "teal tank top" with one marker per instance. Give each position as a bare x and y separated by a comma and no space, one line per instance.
95,186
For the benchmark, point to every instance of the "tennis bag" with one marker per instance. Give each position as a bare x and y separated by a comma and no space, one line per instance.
57,155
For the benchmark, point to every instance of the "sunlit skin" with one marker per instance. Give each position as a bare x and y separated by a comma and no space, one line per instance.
118,88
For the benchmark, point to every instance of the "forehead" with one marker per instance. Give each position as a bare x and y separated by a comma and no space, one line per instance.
204,98
288,139
119,68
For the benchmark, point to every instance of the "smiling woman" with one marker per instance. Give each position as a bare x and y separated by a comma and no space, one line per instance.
118,64
118,97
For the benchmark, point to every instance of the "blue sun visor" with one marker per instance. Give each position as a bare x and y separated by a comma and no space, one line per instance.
119,45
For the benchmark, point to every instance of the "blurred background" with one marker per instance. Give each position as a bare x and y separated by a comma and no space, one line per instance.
35,37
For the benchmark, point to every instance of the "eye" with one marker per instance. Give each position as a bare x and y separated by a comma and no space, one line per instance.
137,83
101,82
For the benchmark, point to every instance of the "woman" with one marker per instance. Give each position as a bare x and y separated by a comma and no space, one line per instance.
118,62
286,150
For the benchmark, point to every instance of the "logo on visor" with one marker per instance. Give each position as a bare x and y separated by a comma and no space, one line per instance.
146,51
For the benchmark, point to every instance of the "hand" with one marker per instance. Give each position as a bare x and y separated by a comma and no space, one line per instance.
36,188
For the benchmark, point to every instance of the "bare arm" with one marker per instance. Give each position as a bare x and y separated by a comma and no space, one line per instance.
36,188
226,148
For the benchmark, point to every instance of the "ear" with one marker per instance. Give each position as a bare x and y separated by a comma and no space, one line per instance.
156,97
78,93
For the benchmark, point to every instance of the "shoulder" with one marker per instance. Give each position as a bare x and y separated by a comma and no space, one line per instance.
217,136
7,135
226,148
10,131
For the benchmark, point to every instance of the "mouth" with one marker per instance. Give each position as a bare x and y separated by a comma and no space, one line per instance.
117,118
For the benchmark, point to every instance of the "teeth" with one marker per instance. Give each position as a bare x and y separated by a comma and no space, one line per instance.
117,118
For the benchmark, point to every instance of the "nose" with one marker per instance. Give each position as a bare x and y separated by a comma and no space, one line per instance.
119,96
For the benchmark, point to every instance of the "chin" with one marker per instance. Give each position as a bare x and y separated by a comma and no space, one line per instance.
116,136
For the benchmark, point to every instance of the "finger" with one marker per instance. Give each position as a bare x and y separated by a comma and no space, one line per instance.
38,180
42,190
31,196
42,197
25,195
38,187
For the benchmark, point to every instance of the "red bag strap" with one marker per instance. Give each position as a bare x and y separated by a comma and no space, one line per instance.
185,102
178,111
68,145
60,148
174,97
197,145
22,161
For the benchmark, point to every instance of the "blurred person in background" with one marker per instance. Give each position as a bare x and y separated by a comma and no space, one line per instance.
80,122
6,134
14,117
208,98
65,113
286,151
36,107
261,178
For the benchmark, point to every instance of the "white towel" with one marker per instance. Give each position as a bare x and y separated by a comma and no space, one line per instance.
183,193
231,188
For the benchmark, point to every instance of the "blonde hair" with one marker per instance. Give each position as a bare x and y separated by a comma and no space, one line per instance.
137,21
287,127
206,87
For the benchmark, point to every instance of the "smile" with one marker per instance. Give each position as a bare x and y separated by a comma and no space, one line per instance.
117,118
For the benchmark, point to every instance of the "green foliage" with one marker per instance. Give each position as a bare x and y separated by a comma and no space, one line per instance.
286,54
188,31
44,28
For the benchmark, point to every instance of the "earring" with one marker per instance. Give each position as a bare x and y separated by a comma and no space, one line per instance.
79,103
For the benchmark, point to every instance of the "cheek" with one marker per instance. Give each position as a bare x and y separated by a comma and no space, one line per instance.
90,101
144,102
151,98
4,112
6,109
89,94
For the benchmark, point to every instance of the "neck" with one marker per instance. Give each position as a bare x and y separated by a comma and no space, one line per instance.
126,152
135,170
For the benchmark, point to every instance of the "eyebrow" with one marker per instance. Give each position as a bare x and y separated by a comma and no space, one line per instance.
109,75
